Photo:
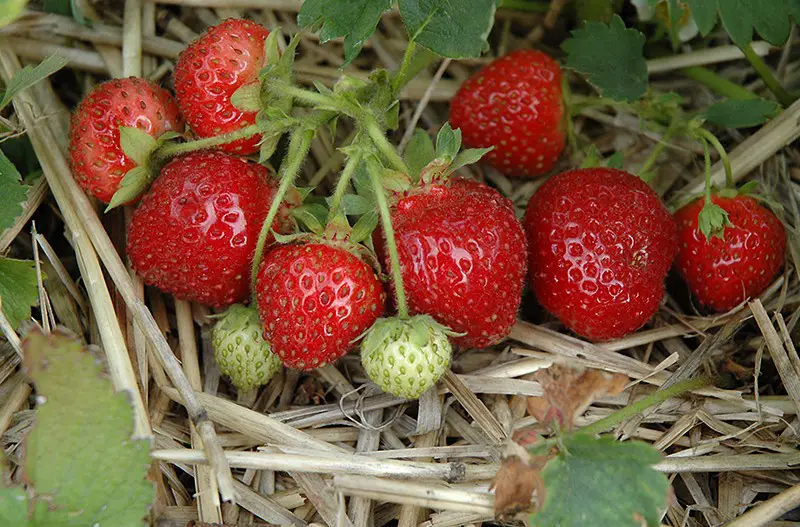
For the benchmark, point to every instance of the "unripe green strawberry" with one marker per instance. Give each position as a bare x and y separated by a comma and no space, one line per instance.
241,352
406,357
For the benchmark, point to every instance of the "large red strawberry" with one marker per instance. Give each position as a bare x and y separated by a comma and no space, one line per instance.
195,231
210,70
315,300
724,272
462,256
600,245
98,162
514,105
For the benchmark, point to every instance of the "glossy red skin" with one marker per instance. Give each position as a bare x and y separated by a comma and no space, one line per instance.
96,157
210,70
315,300
600,245
462,258
515,105
723,273
195,231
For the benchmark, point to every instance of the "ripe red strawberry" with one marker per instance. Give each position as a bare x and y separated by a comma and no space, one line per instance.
98,162
724,272
210,70
462,258
600,245
515,105
195,231
315,300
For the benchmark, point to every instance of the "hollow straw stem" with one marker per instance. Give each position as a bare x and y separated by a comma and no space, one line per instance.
374,168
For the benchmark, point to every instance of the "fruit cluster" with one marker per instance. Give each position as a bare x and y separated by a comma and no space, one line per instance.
596,244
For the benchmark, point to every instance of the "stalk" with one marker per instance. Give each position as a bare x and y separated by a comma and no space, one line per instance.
343,183
783,96
718,84
382,144
711,138
169,150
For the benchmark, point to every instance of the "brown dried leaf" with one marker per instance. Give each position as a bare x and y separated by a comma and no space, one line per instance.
569,391
518,481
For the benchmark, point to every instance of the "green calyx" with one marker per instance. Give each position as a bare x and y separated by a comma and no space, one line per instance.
406,356
240,350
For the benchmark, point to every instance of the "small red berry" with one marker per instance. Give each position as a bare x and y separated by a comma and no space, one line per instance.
97,160
601,243
724,272
514,105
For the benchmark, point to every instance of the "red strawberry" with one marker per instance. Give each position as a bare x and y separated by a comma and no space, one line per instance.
195,231
98,162
315,300
515,105
724,272
462,257
600,245
210,70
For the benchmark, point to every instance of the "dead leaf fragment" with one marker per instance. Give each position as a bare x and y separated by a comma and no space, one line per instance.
518,481
569,391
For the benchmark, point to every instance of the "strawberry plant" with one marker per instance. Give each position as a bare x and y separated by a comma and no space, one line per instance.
531,196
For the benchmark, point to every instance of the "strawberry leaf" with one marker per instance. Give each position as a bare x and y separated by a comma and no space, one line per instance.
771,20
29,75
137,144
704,13
14,193
741,113
610,57
419,152
87,468
18,289
712,220
451,29
603,482
355,20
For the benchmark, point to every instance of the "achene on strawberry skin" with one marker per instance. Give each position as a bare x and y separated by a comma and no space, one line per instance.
722,272
195,231
316,300
96,157
210,70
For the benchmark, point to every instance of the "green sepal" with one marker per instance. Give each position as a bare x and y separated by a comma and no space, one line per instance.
267,147
395,181
137,144
448,142
247,98
712,220
419,152
365,226
392,116
311,215
467,157
272,51
338,228
748,188
133,185
353,204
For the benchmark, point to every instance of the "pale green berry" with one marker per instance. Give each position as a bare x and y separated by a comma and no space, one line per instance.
241,352
406,357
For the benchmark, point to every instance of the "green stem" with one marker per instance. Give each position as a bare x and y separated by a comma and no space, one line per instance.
711,138
660,146
310,98
707,160
382,144
374,168
169,150
299,146
401,77
783,96
641,405
718,84
344,183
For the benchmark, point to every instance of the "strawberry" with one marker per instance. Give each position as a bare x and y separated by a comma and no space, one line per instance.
210,70
195,231
406,357
514,105
97,160
462,258
600,245
240,350
315,300
723,272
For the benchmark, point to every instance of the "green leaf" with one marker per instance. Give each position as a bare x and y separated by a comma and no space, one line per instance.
132,186
454,29
29,75
610,57
364,227
674,12
247,98
18,289
10,10
617,160
88,466
468,157
771,20
419,152
355,20
712,220
601,481
13,506
448,142
59,7
355,205
137,144
13,193
794,10
741,113
311,215
704,13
